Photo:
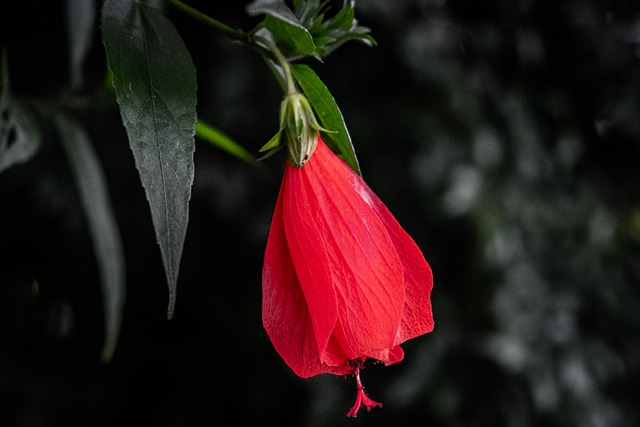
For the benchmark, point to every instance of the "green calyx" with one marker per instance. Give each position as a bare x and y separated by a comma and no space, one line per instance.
298,123
299,130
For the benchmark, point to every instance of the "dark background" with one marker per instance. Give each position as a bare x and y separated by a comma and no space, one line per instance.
505,137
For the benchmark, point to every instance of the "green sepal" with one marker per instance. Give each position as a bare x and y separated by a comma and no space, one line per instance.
274,142
273,146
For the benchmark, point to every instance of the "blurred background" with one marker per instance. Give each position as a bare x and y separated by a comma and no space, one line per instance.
505,137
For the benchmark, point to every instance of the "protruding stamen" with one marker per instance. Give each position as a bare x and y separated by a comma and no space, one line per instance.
361,398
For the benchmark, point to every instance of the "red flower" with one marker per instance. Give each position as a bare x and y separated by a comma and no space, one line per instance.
342,281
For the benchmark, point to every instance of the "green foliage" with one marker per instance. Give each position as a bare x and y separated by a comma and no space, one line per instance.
80,15
306,30
107,244
154,79
288,33
504,138
314,36
19,132
155,84
214,136
331,33
328,112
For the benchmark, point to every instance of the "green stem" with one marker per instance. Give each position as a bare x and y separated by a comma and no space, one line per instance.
232,33
260,44
282,61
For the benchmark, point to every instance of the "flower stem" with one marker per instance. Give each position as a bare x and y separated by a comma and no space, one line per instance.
282,61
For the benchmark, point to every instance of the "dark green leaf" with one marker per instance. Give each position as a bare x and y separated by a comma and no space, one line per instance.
355,35
328,112
288,33
81,23
155,84
310,12
19,131
276,8
343,19
107,244
19,135
293,40
222,141
323,41
330,33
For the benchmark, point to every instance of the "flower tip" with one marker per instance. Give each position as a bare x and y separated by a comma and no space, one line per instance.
361,397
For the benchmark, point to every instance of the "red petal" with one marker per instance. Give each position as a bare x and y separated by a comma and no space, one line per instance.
284,309
341,280
388,355
417,318
341,250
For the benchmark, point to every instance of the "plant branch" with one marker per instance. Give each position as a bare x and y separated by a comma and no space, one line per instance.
232,33
262,45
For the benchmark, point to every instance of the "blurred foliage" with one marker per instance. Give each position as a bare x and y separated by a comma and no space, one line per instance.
503,134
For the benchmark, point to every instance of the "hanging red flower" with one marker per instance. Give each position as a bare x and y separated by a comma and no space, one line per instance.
342,281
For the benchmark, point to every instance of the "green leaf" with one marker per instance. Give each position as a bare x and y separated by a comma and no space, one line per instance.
293,40
222,141
343,19
330,33
107,244
276,8
354,35
80,23
155,84
310,12
328,112
19,131
288,33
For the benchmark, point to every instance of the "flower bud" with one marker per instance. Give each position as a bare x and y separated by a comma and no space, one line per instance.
300,128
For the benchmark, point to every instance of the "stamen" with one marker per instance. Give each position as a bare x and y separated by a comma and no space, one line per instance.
361,398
